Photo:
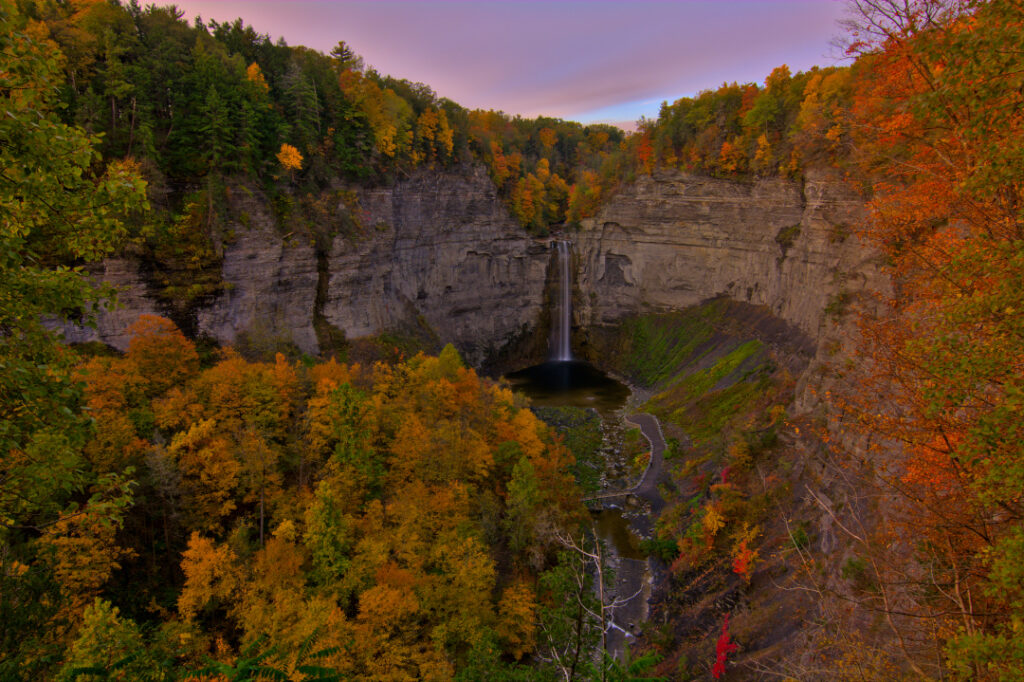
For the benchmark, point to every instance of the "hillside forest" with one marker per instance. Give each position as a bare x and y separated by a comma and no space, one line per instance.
185,512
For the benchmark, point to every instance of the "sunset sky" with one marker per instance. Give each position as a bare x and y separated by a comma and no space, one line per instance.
588,61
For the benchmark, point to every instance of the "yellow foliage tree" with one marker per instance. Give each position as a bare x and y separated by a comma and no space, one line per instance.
255,76
445,135
209,473
517,621
548,137
210,573
160,353
290,158
82,551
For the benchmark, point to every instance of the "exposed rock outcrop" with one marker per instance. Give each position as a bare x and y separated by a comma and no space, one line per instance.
270,288
672,240
134,299
443,248
438,249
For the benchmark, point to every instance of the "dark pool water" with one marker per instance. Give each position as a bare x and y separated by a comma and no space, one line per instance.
614,529
572,383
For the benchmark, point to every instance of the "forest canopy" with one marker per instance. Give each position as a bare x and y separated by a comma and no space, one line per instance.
201,104
182,512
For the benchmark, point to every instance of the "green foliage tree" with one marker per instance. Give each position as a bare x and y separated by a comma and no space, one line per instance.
55,211
108,646
568,633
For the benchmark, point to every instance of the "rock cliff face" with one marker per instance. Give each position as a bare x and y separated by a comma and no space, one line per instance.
674,240
438,249
445,249
125,274
270,288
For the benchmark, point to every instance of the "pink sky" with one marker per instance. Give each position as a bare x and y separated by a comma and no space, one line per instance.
597,60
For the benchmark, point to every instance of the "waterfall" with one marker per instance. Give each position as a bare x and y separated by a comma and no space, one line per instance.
561,320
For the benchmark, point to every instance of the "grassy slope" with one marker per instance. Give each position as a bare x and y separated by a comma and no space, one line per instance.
721,375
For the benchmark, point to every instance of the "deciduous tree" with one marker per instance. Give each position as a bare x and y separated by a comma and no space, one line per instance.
290,158
939,99
59,206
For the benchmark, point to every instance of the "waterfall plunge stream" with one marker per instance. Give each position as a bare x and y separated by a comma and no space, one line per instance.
561,323
562,381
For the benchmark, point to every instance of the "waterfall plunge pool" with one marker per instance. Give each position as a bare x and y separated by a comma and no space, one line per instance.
570,383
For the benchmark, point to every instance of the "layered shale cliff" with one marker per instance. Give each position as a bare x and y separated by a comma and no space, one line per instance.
440,252
443,248
672,240
437,251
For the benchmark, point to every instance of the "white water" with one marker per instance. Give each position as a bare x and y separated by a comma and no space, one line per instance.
561,349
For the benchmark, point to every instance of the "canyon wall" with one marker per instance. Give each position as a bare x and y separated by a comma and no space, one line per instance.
437,251
445,249
440,252
672,240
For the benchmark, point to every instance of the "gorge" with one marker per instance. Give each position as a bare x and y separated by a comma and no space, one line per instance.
440,250
296,442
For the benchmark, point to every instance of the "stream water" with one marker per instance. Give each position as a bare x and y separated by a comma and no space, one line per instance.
563,381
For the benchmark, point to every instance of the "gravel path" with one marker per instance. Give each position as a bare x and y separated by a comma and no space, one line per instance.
647,488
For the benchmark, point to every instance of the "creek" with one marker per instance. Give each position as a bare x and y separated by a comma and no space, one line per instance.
617,516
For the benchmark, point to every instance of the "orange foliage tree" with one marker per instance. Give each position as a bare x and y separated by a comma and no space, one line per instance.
938,114
290,158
